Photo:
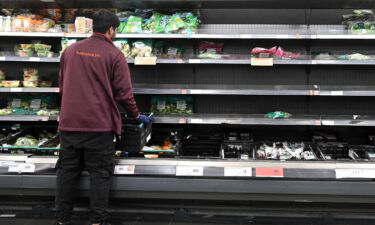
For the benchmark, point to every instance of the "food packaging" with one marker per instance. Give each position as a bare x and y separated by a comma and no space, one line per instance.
42,47
2,75
142,48
278,115
25,53
10,83
30,74
134,25
124,46
30,84
45,84
172,105
80,25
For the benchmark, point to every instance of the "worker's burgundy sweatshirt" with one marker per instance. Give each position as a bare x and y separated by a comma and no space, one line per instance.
94,75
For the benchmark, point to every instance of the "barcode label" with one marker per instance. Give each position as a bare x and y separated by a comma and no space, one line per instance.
15,89
124,169
355,173
34,59
238,171
189,171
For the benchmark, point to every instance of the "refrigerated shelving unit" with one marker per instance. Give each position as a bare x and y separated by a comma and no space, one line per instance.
321,95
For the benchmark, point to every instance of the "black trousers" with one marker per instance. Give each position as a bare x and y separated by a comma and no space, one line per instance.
93,151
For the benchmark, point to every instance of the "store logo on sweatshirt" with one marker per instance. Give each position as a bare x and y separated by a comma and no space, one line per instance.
89,54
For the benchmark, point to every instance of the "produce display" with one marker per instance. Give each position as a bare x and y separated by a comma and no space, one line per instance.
148,48
284,151
30,105
210,50
360,21
274,52
172,105
66,42
147,21
356,56
2,77
278,115
36,48
46,20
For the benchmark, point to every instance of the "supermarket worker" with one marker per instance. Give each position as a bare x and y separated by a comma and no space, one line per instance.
94,76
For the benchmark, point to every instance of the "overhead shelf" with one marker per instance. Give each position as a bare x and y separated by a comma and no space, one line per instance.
231,31
348,120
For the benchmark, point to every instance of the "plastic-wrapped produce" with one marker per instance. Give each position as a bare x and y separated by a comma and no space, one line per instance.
124,46
27,141
142,48
278,115
133,25
284,151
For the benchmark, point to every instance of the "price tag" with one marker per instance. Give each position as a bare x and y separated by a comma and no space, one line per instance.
15,89
337,93
124,169
2,58
180,61
181,120
184,91
7,163
246,36
44,118
196,121
354,173
314,62
22,168
317,122
238,171
34,59
282,36
269,172
145,60
298,36
196,92
261,61
161,105
35,104
189,171
194,61
328,122
181,105
314,93
16,103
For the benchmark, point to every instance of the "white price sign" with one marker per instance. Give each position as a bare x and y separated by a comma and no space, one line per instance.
34,59
2,58
238,171
196,121
15,89
194,61
22,168
337,93
124,169
189,171
7,163
355,173
328,122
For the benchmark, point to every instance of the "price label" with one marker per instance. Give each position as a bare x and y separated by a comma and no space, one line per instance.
7,163
180,61
261,62
282,36
328,122
317,122
184,91
124,169
246,36
35,104
196,92
2,58
44,118
16,103
196,121
238,171
189,171
181,120
194,61
181,105
22,168
145,60
298,36
337,93
269,172
34,59
15,89
354,173
314,93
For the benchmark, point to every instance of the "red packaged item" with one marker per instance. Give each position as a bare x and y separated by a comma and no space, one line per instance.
210,47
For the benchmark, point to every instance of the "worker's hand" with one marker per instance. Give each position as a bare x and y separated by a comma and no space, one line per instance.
145,119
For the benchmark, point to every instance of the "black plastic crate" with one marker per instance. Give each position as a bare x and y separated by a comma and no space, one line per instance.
237,145
134,135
